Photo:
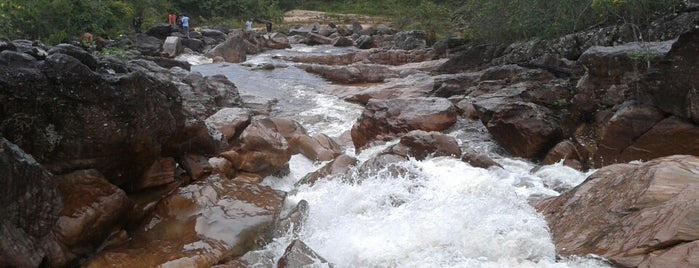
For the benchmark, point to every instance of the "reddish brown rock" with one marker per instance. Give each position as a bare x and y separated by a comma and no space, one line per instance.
638,132
421,144
197,166
199,226
92,210
229,122
328,59
400,57
339,165
382,120
630,214
298,254
479,160
409,87
320,147
572,154
263,149
685,255
524,129
160,173
351,74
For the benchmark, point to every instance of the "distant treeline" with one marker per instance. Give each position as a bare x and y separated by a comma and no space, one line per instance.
54,21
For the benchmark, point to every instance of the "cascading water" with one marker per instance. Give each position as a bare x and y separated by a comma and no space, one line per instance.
440,212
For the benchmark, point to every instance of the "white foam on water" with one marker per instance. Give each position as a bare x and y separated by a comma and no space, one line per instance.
194,59
451,215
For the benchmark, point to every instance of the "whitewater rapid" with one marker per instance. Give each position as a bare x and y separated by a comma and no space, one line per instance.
440,213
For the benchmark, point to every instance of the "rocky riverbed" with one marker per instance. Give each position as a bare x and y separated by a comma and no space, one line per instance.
142,162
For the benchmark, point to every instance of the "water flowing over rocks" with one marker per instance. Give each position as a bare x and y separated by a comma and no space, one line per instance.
382,120
199,226
631,213
140,162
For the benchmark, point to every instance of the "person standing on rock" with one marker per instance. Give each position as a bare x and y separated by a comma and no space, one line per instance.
185,25
171,18
248,26
136,23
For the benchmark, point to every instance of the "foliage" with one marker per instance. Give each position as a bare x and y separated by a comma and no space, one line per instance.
54,21
509,20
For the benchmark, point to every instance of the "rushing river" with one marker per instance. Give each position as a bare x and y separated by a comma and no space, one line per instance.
443,213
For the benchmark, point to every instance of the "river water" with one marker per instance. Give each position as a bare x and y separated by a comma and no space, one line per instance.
442,213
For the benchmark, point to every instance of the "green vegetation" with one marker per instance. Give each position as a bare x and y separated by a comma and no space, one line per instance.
55,21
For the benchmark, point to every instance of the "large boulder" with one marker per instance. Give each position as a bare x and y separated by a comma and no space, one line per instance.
412,86
93,209
382,120
172,46
631,214
29,204
421,144
146,44
263,150
232,50
523,129
199,226
69,117
671,85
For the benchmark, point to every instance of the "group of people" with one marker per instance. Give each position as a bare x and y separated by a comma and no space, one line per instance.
268,25
181,21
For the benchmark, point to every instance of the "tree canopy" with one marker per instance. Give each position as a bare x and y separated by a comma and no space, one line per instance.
56,21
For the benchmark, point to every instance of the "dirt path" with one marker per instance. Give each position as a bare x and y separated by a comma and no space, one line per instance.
307,17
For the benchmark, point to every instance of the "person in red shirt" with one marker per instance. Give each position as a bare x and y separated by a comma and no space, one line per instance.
171,18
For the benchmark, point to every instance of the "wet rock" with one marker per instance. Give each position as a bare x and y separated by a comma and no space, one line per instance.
294,220
479,160
298,254
572,154
229,122
199,226
162,172
204,96
629,214
682,255
523,129
352,74
420,144
340,165
262,150
29,204
197,166
93,209
382,120
320,147
232,50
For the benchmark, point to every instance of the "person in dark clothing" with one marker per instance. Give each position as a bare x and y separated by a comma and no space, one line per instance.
136,24
268,24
